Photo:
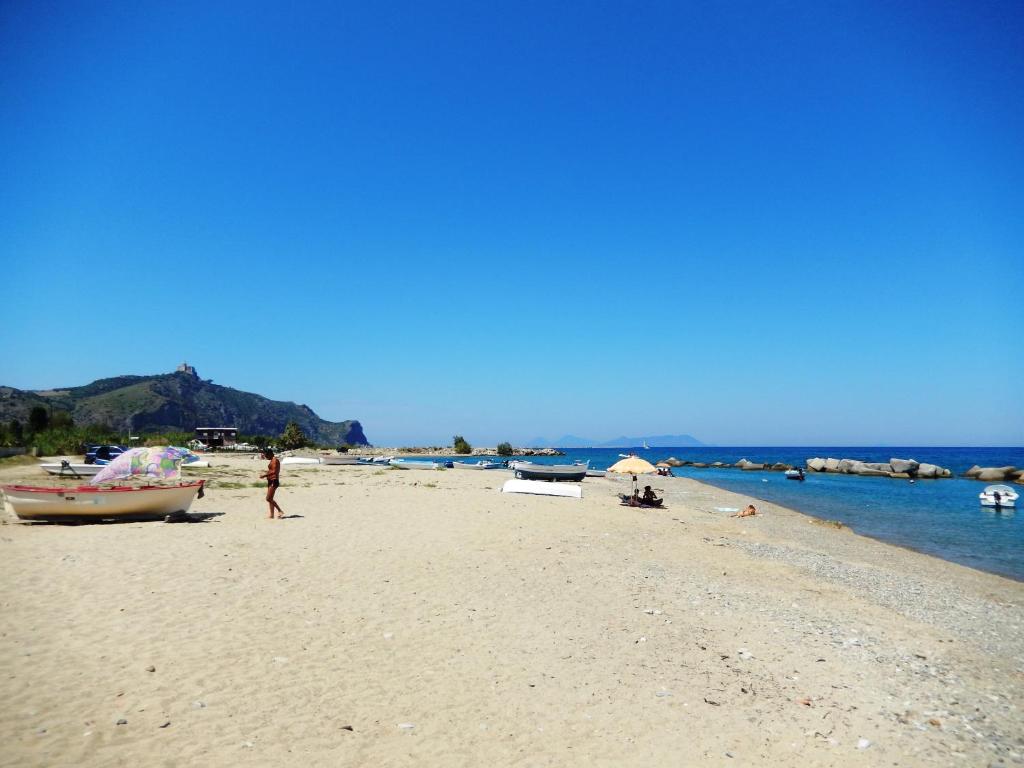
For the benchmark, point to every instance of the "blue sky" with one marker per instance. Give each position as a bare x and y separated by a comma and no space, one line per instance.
757,223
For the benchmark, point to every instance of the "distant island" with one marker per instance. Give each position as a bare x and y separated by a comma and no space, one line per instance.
652,441
178,401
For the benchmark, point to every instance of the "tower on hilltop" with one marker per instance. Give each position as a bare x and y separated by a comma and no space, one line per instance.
186,368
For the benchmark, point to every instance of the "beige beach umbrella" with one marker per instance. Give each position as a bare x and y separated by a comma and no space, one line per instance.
634,466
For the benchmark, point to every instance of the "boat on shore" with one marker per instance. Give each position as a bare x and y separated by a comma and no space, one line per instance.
339,460
88,502
414,464
67,469
476,465
999,496
299,460
554,472
542,489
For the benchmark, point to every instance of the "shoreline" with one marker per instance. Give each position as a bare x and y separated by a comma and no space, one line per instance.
853,529
498,628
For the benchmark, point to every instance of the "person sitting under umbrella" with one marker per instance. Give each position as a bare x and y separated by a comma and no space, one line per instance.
648,497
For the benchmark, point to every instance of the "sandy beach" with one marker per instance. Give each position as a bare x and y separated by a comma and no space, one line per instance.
411,618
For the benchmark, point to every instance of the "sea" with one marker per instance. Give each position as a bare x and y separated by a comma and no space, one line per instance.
939,517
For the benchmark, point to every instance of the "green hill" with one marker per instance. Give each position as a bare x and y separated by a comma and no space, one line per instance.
178,401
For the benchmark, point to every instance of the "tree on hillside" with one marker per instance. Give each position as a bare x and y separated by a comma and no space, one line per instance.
460,445
17,431
293,437
61,420
504,449
38,419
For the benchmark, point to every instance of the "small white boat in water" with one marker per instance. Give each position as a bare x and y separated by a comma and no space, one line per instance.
149,502
67,469
542,488
998,496
413,464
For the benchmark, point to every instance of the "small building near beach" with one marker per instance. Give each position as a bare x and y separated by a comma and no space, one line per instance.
217,437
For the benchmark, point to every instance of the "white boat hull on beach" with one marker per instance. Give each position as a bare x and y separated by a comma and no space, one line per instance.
406,464
477,465
90,502
335,461
70,470
299,460
543,488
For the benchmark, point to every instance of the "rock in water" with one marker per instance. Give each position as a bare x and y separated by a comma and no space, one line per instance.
989,474
904,465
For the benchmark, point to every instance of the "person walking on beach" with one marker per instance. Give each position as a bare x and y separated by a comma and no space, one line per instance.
273,475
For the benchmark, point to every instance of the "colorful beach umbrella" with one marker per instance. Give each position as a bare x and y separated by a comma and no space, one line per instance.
161,462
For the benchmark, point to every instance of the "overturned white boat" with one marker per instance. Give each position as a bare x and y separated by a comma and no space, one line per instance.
89,502
542,488
299,460
476,465
998,496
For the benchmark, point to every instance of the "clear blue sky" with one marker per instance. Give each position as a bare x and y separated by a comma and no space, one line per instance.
758,223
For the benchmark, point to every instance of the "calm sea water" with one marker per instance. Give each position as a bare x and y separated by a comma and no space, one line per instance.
939,517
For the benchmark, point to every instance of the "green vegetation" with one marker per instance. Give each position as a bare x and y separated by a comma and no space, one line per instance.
504,449
38,419
460,445
293,437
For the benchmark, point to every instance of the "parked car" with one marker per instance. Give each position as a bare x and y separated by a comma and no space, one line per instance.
102,454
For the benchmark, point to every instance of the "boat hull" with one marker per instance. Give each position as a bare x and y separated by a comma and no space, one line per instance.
82,470
339,460
403,464
89,502
561,473
299,460
542,489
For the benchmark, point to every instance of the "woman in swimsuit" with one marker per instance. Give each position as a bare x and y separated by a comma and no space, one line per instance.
273,475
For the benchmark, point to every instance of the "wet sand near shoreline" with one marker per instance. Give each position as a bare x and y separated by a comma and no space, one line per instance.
424,618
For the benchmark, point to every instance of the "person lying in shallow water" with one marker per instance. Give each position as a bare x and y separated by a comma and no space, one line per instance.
750,511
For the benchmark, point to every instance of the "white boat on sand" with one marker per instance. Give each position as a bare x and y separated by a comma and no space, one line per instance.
476,465
295,460
339,460
148,502
67,469
542,488
413,464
